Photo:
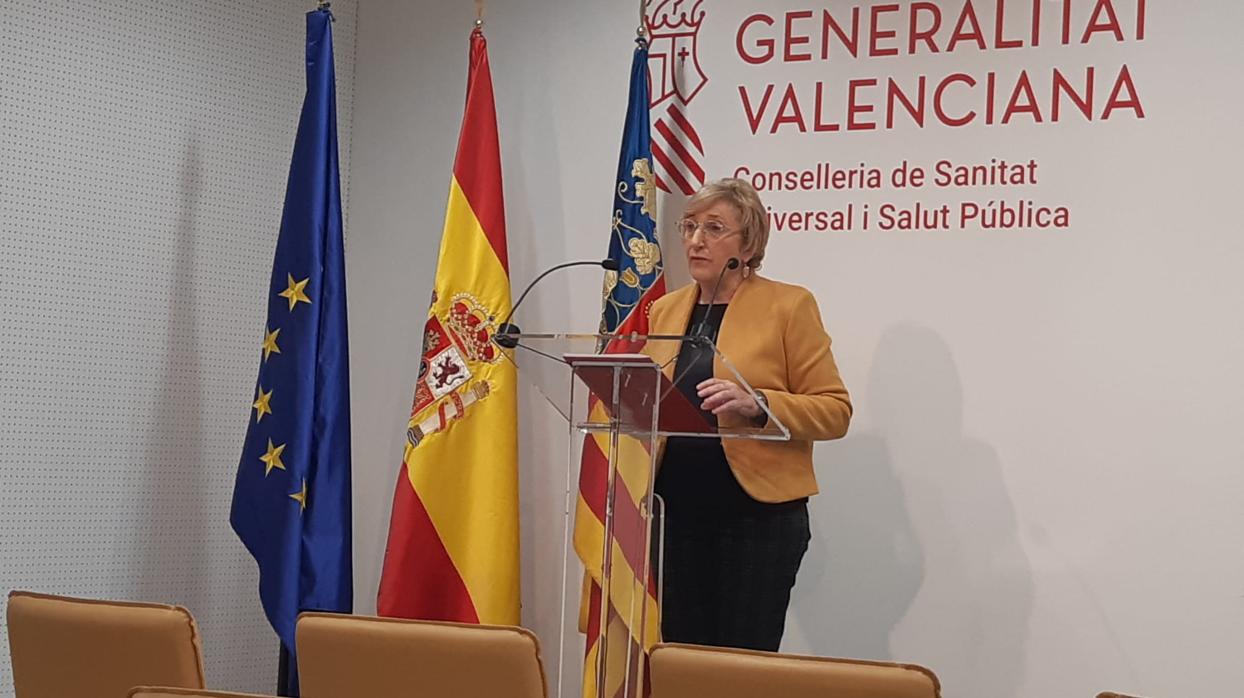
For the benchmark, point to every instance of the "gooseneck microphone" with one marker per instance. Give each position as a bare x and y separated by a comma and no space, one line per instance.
505,335
731,264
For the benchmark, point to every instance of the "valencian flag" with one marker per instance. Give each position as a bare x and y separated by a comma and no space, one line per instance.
628,292
453,540
291,500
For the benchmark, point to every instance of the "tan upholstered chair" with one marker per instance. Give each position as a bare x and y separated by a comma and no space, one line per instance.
65,648
341,655
166,692
686,671
1109,694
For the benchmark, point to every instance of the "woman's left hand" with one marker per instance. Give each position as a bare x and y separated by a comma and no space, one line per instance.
723,396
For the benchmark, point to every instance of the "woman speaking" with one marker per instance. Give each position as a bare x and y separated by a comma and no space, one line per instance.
736,510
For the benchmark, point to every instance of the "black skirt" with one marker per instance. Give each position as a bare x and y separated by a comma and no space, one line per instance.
726,581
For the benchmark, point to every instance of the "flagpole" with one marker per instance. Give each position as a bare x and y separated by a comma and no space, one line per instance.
479,13
282,673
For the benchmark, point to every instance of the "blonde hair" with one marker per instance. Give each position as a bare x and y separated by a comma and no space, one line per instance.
753,217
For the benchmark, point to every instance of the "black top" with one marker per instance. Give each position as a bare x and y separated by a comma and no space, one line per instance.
695,477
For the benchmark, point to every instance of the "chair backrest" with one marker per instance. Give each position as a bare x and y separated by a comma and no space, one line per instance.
65,648
1111,694
169,692
340,655
686,671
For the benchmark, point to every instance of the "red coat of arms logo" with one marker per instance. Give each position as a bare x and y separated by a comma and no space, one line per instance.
673,63
674,71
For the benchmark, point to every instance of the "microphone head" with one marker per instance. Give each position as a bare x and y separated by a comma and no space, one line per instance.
609,264
506,335
732,263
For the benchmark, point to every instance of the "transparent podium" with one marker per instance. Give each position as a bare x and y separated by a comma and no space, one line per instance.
618,397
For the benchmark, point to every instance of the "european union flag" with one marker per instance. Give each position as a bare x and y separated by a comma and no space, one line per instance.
291,502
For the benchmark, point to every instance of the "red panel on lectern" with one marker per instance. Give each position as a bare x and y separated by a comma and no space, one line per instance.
638,391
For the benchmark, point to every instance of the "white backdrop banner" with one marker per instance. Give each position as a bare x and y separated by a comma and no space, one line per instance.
1015,216
781,95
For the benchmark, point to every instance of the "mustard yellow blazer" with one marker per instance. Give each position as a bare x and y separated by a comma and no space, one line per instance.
773,335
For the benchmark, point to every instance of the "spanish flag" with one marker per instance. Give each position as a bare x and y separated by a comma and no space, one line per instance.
453,540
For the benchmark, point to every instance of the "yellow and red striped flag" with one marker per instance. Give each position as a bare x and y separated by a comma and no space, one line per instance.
629,626
453,539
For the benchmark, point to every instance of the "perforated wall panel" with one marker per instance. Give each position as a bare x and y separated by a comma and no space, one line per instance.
144,149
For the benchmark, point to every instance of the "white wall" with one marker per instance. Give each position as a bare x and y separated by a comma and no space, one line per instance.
1041,492
143,162
398,210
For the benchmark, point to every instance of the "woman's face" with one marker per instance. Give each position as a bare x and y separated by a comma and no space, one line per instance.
707,252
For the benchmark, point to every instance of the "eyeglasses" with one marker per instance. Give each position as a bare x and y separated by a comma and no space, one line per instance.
713,230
